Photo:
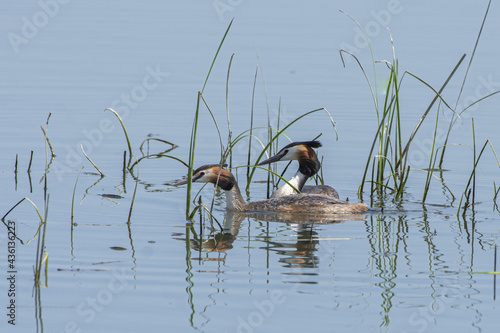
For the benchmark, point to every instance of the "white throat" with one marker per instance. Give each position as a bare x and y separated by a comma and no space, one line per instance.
234,200
298,181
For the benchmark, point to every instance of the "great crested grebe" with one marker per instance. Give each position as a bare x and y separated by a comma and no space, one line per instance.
308,166
296,203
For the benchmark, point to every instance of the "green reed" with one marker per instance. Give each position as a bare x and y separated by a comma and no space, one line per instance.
251,122
456,116
280,132
468,197
226,150
227,112
194,130
389,153
124,132
388,156
73,201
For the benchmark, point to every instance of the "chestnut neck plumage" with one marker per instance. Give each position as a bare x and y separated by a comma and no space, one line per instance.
234,199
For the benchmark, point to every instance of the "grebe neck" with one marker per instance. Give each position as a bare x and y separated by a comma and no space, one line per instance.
307,168
234,199
297,181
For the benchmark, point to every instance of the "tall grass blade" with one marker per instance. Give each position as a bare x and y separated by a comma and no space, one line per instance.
374,93
468,189
222,150
73,201
274,174
251,122
124,131
438,96
453,119
227,112
192,145
192,148
370,154
216,54
279,133
431,164
473,53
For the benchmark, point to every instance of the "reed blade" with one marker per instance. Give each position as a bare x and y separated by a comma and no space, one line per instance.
125,132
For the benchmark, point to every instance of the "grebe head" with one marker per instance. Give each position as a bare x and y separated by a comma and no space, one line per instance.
295,151
301,151
212,173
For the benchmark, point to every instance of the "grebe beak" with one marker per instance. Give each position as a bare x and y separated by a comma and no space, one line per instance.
195,178
182,182
273,159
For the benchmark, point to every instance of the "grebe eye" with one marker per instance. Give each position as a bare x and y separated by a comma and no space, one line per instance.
286,151
202,174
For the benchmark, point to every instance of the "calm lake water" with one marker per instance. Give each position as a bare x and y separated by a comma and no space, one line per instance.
411,268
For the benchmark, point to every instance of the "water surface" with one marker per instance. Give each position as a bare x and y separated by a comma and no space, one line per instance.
408,269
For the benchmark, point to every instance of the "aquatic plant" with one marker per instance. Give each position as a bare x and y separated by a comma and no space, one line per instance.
387,160
194,131
468,197
271,147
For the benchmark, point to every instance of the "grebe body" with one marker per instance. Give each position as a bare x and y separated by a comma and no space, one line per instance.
296,203
309,165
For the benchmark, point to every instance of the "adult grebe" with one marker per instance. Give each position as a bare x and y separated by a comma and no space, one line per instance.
308,166
296,203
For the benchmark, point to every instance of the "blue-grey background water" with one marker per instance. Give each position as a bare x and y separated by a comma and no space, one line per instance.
409,269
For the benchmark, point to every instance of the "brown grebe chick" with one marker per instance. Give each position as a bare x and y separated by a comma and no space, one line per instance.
297,203
308,166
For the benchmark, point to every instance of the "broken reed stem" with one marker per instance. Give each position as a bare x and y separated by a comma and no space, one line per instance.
124,131
88,158
48,141
31,160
